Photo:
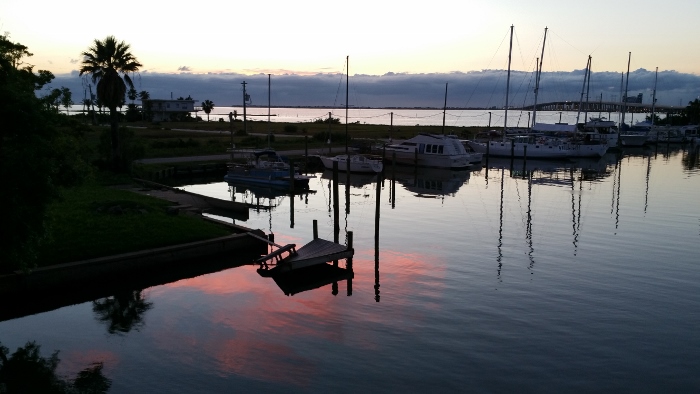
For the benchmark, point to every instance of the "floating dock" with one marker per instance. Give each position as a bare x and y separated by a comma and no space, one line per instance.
318,251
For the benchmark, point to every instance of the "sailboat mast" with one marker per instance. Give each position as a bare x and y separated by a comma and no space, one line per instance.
537,78
510,50
653,96
347,86
268,110
627,84
585,76
444,109
588,91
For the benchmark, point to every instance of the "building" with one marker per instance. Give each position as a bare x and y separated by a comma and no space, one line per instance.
164,110
637,100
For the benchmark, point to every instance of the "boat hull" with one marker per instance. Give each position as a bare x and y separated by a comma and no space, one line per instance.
359,164
453,162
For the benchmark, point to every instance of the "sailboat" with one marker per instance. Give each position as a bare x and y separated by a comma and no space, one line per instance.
539,145
356,163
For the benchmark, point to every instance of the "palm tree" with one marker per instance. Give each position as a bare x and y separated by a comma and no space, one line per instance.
105,61
207,106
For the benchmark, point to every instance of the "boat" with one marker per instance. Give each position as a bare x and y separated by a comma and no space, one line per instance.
357,163
526,145
265,167
602,131
429,150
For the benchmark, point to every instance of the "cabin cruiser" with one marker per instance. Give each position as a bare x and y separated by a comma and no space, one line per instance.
429,150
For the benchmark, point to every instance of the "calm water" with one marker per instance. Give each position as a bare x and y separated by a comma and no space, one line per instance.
550,277
413,117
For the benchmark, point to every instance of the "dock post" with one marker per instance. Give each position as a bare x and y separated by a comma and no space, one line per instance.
306,153
524,158
512,148
348,266
336,214
291,175
315,228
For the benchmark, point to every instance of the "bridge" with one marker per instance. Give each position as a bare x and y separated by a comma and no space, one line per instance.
604,106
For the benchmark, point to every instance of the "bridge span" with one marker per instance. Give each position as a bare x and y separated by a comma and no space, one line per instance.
604,106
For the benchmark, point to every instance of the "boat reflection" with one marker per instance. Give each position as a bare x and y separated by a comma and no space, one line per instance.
428,182
357,180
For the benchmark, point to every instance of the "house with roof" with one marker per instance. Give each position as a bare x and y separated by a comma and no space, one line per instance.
164,110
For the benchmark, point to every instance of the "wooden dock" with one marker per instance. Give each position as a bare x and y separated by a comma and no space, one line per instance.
318,251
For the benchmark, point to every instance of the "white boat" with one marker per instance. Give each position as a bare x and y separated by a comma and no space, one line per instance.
603,131
357,163
531,146
429,150
634,138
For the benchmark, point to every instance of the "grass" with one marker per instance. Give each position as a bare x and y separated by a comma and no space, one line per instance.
96,220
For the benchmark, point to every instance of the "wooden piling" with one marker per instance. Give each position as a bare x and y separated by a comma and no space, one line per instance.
315,228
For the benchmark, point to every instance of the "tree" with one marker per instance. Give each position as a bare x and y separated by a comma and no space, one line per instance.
36,157
66,98
692,112
207,106
27,371
132,94
105,61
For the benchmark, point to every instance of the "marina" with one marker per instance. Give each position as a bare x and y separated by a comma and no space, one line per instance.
529,276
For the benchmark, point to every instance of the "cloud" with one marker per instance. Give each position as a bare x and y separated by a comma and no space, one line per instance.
475,89
74,61
184,68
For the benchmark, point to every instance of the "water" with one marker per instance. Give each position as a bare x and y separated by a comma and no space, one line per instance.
550,277
410,117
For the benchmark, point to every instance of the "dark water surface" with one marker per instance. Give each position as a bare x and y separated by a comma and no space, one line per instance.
544,277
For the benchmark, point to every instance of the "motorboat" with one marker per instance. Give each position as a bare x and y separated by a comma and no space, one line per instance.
429,150
265,167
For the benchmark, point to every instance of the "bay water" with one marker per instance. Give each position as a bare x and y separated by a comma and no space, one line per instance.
576,276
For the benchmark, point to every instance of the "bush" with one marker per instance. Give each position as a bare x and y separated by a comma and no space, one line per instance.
290,128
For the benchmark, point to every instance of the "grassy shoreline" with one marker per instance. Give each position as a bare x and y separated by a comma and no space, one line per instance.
96,220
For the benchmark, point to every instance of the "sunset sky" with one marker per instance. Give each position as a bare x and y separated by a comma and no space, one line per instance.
310,37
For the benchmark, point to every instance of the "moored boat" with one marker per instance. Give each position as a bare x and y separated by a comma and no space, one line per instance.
429,150
265,167
357,163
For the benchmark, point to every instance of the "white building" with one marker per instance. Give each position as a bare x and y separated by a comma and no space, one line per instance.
162,110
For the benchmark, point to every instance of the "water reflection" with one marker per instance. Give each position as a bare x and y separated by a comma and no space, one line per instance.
122,312
430,182
27,371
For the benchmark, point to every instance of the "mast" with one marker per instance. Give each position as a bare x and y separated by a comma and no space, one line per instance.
347,85
588,91
268,111
585,76
444,109
653,96
537,78
510,50
245,97
627,84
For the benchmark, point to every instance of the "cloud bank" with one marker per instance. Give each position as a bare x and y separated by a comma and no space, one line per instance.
476,89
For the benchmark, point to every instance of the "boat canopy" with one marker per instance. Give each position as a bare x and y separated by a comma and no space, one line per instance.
554,128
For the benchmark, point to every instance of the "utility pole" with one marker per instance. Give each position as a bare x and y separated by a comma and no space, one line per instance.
245,98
